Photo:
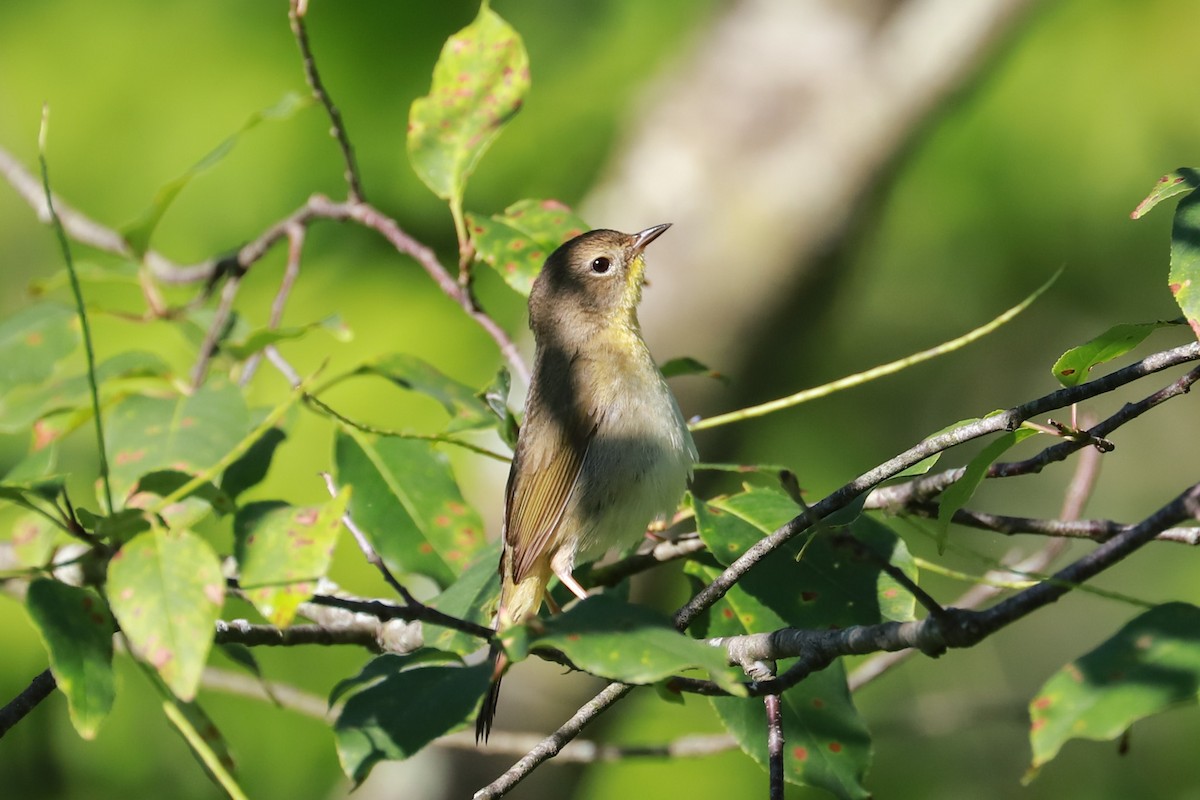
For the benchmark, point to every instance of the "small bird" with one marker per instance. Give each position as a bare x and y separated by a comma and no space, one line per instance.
603,449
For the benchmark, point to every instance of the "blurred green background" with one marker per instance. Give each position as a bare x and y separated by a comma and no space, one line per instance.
1034,166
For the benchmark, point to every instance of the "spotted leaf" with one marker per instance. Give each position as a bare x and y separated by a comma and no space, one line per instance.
283,551
479,83
166,591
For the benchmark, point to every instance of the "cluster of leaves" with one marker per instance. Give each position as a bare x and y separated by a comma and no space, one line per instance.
181,458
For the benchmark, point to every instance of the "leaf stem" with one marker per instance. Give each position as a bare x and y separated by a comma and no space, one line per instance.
65,246
876,372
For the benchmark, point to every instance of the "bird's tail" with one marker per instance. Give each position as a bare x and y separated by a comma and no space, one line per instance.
487,712
518,601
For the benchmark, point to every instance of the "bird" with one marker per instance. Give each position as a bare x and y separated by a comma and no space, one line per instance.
603,449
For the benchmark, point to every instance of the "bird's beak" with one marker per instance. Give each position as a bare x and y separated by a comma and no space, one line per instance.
643,238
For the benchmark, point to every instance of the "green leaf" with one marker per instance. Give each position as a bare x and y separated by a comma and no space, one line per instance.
246,345
114,376
1151,665
832,583
629,643
407,705
516,243
1181,180
407,502
826,741
186,433
32,341
959,493
1184,278
479,83
37,465
139,232
472,597
251,468
686,365
188,510
77,630
467,411
33,538
283,551
495,395
166,590
1073,366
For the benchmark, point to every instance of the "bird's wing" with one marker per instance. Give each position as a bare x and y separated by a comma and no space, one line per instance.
540,486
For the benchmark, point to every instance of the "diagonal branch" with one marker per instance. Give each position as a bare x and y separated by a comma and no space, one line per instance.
1005,421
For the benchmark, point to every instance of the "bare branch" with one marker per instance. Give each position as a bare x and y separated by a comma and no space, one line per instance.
338,129
19,707
1078,492
1008,420
291,272
240,631
553,744
816,649
208,347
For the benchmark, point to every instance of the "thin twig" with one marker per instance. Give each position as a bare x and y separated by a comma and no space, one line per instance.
368,215
553,744
364,544
212,336
295,235
338,128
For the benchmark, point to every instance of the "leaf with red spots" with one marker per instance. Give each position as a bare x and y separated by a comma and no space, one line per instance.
408,503
629,643
1174,183
517,242
283,551
166,591
1074,366
188,510
479,83
77,630
1149,666
828,745
185,433
467,411
401,704
472,597
32,342
1184,277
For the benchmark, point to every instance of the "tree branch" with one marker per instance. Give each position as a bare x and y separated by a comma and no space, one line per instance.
19,707
1005,421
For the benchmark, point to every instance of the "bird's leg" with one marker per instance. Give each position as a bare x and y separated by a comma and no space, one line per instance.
561,565
552,604
568,580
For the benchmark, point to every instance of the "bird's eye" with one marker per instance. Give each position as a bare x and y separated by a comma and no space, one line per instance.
601,265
